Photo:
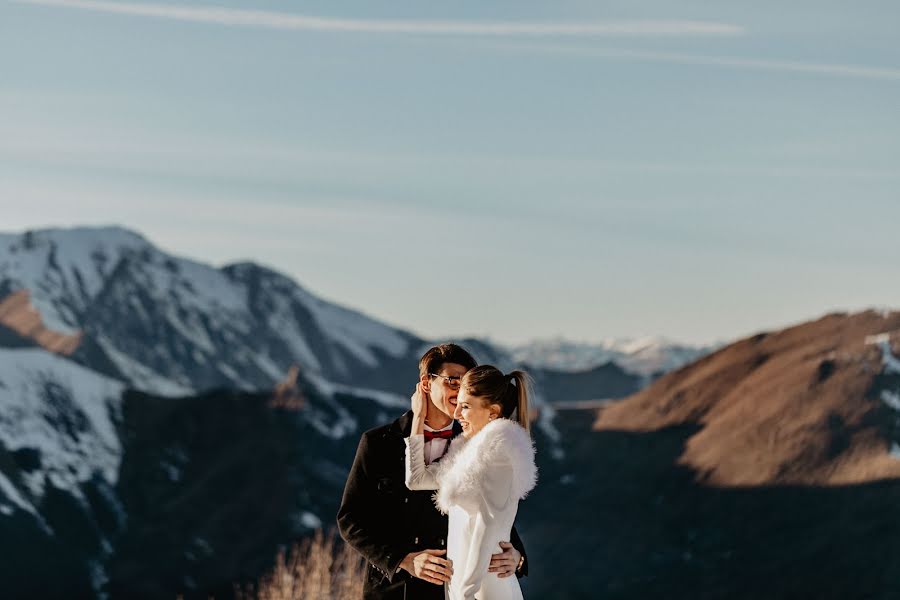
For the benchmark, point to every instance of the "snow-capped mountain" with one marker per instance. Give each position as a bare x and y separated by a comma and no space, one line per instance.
646,356
95,479
62,416
60,455
110,300
174,326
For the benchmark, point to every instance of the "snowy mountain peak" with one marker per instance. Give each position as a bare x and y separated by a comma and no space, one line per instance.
64,269
172,325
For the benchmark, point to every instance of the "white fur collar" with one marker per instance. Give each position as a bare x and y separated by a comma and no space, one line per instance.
465,466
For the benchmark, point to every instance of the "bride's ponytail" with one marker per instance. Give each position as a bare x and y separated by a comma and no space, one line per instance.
521,384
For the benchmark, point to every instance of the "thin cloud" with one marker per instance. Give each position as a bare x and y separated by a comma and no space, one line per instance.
841,70
296,22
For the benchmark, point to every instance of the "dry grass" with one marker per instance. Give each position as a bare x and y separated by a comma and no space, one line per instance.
319,568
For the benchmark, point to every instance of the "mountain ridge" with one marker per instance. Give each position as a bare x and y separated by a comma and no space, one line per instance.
809,404
86,283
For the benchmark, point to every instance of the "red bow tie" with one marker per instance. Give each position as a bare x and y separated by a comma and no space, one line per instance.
445,434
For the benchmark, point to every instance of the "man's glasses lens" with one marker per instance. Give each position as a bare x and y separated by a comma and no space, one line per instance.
452,382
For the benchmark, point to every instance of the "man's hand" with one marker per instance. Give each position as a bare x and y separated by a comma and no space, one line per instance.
428,565
504,563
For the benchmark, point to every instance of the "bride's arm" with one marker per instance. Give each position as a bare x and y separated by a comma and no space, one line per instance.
419,476
487,532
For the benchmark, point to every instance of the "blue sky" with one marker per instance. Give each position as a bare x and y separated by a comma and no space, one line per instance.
512,169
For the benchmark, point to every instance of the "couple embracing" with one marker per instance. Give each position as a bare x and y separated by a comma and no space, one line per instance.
430,501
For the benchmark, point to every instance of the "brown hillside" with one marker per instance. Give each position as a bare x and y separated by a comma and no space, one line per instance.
802,405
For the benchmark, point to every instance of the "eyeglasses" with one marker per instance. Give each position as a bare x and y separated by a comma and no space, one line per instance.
453,381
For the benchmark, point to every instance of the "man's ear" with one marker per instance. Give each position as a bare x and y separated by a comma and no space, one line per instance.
425,380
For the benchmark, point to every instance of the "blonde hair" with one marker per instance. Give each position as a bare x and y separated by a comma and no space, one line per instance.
510,392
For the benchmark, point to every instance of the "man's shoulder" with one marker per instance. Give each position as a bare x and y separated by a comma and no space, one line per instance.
396,429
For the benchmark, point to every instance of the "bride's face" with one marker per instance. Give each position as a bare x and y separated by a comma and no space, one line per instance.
473,413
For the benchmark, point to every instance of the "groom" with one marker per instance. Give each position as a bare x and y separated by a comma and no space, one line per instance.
400,532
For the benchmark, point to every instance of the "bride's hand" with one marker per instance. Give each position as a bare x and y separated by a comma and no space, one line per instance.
419,401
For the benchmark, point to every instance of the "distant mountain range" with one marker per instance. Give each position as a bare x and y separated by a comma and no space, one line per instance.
113,302
110,300
647,356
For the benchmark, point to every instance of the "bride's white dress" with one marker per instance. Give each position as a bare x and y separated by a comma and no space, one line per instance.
480,482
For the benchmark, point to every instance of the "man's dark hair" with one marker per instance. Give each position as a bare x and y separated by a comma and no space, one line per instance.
435,358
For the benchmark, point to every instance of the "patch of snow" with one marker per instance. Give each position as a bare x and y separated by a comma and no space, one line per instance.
895,450
269,367
385,399
140,376
233,376
172,472
878,338
890,398
357,333
635,345
546,415
890,362
11,493
309,520
63,411
281,321
207,287
202,545
15,496
114,503
64,269
333,428
189,330
99,578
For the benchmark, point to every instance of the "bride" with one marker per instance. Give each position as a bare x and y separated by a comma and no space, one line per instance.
481,479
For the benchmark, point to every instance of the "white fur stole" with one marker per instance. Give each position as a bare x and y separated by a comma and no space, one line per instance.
462,471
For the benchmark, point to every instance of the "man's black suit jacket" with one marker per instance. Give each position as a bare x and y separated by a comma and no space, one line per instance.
384,521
